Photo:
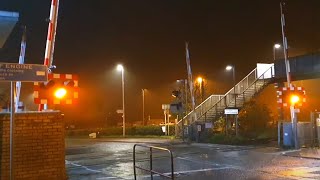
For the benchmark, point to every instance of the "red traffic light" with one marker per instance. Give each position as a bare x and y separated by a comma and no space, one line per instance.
60,93
291,96
294,99
60,89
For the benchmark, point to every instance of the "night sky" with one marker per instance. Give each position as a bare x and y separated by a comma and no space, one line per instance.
148,38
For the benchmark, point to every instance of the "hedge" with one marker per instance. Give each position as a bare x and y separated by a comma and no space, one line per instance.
114,131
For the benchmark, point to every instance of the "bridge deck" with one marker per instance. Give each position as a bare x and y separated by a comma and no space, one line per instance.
302,67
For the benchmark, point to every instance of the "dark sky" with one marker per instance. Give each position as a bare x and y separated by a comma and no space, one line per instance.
148,37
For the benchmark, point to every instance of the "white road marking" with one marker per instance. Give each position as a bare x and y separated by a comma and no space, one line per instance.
84,167
212,164
108,178
176,173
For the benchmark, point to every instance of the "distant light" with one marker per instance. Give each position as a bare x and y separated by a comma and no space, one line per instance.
60,93
181,80
199,79
119,67
228,68
277,46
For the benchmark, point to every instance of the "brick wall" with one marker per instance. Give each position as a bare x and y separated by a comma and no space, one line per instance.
39,149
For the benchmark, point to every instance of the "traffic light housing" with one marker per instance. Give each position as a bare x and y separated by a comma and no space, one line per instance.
176,93
291,96
176,108
60,89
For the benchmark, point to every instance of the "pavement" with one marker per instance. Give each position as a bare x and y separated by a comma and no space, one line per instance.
307,153
72,142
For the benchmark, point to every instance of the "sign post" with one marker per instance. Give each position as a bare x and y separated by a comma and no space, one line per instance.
232,112
11,128
12,72
166,108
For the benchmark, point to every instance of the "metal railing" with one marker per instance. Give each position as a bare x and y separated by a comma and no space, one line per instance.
230,98
250,82
150,159
203,107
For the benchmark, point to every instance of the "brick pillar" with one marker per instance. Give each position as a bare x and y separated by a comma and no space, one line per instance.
39,149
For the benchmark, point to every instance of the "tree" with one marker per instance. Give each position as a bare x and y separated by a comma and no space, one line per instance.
254,118
220,125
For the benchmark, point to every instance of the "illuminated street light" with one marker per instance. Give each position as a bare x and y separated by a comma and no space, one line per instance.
120,68
229,68
275,46
200,81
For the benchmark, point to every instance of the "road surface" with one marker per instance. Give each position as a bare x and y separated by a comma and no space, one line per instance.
102,159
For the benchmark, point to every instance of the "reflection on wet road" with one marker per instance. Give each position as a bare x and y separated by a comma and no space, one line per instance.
101,159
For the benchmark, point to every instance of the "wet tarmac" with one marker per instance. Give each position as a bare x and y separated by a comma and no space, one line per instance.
91,159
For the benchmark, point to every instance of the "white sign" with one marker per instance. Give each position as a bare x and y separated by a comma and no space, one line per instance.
163,128
199,128
208,125
165,106
186,131
267,70
231,111
318,121
119,111
23,72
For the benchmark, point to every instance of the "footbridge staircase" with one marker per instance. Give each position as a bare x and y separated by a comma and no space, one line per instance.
213,107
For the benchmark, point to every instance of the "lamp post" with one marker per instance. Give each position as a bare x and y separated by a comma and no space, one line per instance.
228,68
120,68
185,86
275,47
143,123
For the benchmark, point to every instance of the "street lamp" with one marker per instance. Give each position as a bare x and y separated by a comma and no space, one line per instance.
229,68
275,46
143,106
120,68
200,81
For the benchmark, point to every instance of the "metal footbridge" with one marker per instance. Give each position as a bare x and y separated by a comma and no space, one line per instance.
302,67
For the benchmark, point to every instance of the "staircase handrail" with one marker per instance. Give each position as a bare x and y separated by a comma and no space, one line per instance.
231,90
198,106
